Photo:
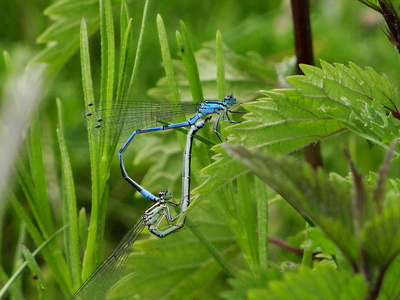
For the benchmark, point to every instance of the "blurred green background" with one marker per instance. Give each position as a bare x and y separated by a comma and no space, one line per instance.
343,30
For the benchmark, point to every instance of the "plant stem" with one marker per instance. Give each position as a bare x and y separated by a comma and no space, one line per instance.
304,54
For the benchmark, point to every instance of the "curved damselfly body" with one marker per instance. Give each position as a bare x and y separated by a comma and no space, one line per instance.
110,271
119,122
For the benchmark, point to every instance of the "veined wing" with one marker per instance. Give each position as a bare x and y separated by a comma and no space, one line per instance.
119,122
109,272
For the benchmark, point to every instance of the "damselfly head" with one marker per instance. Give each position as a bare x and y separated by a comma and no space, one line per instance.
229,99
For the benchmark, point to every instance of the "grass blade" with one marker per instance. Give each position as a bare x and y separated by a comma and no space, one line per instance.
166,57
189,62
220,66
72,242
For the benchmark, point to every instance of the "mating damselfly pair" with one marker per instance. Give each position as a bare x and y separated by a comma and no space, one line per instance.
125,122
117,123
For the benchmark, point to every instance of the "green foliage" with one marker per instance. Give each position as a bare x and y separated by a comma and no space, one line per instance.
341,240
365,231
323,282
360,99
325,102
62,38
101,155
191,278
34,267
69,202
9,284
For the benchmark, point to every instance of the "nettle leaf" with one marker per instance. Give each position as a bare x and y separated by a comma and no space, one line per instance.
381,236
380,232
62,38
362,100
325,102
315,239
223,171
361,217
323,282
324,201
281,122
249,284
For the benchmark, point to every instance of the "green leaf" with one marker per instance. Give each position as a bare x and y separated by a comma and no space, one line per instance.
206,243
248,237
326,101
69,199
52,256
323,282
166,57
228,171
12,279
108,49
85,64
360,99
390,287
374,4
381,237
126,53
112,88
37,274
247,284
314,239
35,182
219,56
282,123
326,202
62,38
190,64
88,262
83,227
238,214
139,50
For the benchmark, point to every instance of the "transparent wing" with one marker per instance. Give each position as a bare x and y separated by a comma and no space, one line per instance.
109,272
119,122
